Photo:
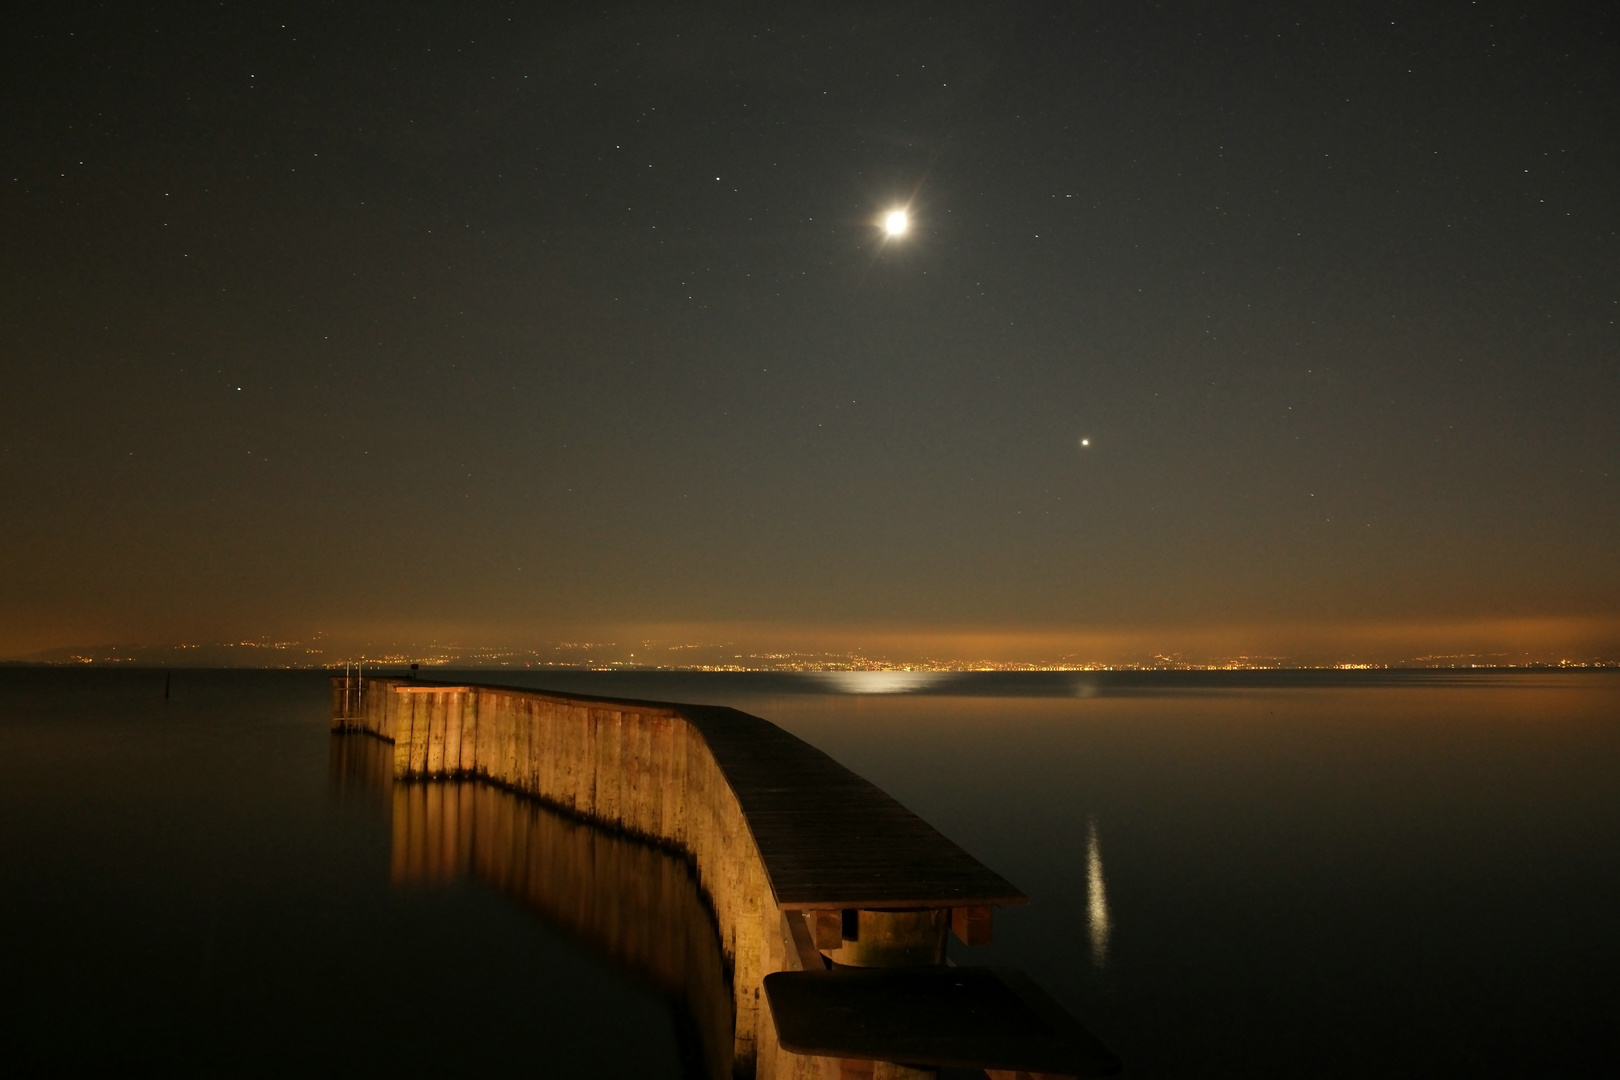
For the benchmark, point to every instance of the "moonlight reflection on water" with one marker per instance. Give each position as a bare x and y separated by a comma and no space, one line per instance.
880,682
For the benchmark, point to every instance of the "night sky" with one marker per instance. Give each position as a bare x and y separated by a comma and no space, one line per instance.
521,323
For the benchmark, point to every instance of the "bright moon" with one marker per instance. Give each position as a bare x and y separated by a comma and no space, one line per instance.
896,223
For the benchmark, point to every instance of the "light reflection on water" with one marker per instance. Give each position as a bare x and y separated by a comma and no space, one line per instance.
360,771
637,905
1306,872
1390,875
200,887
879,682
1096,896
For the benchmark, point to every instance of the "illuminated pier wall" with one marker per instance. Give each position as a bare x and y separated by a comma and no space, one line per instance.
644,769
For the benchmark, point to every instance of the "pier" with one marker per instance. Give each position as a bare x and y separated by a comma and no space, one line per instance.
831,903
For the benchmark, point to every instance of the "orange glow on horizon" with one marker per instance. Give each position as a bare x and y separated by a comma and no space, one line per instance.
1480,642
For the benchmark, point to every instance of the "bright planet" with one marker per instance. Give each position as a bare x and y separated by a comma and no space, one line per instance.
896,222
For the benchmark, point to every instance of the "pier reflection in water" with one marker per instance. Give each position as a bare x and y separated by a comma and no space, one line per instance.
636,904
361,770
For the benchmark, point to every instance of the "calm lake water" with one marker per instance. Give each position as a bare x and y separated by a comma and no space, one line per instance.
1251,876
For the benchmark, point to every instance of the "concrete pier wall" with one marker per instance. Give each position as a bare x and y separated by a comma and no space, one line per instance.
644,769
